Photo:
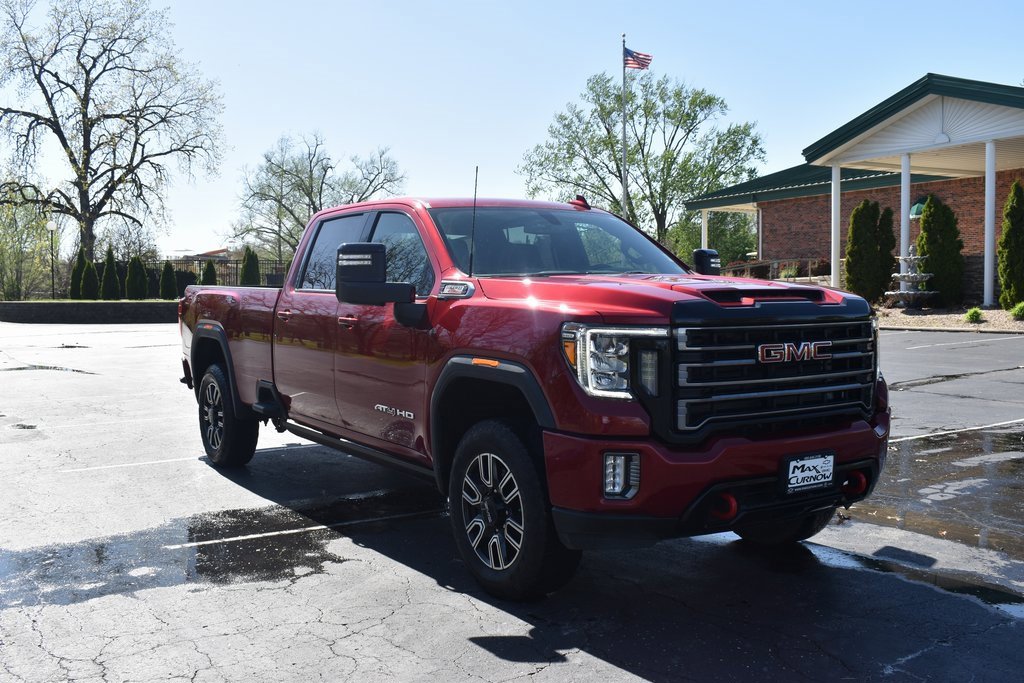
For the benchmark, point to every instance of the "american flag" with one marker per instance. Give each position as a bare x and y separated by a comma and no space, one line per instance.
635,60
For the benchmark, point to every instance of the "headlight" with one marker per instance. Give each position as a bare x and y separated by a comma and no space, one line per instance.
601,358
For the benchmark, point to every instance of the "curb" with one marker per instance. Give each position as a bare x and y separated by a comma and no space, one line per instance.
905,328
88,312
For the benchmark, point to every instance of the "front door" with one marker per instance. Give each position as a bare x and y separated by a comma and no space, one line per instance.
306,328
381,364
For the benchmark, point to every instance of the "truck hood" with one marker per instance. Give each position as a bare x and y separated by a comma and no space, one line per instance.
677,298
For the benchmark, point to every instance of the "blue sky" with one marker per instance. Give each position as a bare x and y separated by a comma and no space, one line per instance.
451,85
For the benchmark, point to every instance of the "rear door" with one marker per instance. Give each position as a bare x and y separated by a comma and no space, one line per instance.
306,328
381,364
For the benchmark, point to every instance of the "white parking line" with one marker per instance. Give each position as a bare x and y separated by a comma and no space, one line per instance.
128,464
973,341
956,431
299,530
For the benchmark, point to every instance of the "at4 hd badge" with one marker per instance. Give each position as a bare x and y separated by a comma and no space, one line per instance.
388,410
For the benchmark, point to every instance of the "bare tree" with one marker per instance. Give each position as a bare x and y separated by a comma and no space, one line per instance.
102,81
296,179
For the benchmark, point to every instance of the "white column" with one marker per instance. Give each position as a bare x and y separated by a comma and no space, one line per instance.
760,235
990,222
836,204
703,228
904,215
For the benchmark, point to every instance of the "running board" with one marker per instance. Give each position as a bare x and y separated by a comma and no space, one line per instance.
360,451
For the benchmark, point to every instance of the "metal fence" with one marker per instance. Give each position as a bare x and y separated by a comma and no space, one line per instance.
229,272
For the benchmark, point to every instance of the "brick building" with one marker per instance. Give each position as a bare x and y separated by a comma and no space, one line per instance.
961,140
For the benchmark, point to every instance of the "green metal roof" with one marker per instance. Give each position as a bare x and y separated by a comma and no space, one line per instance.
930,84
799,181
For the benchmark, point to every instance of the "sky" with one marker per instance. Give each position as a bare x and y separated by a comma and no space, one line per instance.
452,85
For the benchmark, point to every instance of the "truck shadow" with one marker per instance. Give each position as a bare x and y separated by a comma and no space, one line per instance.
691,609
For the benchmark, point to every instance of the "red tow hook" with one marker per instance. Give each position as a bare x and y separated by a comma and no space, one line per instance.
725,507
856,483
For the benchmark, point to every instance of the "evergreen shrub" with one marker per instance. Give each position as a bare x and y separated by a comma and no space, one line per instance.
940,241
1010,253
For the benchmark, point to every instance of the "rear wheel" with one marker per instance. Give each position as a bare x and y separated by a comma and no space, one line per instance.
501,516
229,441
786,531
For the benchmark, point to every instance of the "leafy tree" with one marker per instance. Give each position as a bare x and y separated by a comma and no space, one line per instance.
296,179
76,274
209,274
1011,249
168,284
732,235
250,276
676,149
90,282
101,80
110,289
24,253
940,241
136,282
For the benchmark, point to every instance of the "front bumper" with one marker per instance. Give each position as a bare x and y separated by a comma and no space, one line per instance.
681,490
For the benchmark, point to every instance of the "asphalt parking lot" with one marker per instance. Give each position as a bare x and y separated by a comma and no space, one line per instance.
125,556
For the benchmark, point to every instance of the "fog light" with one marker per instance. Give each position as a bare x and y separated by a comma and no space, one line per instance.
621,474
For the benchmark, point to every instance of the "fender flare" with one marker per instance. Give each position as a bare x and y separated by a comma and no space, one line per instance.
506,372
211,329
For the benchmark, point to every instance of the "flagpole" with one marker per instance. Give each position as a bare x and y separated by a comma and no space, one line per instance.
624,212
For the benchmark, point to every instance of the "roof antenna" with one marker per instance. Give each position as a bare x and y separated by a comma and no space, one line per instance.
472,228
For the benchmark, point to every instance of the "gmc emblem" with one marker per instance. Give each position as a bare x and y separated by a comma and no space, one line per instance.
789,351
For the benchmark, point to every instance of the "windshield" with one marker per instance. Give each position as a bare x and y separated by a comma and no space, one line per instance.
523,241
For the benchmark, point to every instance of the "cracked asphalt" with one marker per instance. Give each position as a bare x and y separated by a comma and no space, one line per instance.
125,557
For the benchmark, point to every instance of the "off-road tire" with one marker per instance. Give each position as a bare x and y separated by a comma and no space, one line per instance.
785,532
501,516
229,441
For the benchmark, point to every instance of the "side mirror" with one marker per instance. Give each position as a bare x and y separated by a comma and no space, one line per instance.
361,277
706,262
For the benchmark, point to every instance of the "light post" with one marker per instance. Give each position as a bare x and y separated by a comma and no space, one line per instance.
52,227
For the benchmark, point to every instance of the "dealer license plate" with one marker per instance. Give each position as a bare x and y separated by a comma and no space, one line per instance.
809,472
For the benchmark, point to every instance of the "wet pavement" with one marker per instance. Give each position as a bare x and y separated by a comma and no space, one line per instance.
125,556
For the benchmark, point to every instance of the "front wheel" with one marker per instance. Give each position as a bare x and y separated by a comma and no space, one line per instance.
501,516
786,531
229,441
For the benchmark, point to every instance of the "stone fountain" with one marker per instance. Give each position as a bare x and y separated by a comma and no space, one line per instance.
915,295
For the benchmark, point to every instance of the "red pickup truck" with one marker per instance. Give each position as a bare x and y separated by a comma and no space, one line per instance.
567,382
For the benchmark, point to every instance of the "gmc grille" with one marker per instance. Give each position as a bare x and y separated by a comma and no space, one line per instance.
721,381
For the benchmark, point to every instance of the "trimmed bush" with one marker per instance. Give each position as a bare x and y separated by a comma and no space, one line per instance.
135,283
76,275
1011,249
973,316
209,274
168,286
940,241
90,282
1018,311
111,286
869,245
862,251
250,276
182,279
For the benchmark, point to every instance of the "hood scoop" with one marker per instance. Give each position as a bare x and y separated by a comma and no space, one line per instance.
747,297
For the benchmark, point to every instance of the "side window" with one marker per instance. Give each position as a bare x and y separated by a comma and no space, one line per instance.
407,257
321,268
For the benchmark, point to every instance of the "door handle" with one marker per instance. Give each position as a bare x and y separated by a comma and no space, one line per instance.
284,316
347,321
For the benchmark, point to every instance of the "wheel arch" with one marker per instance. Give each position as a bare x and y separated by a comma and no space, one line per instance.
467,392
210,346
